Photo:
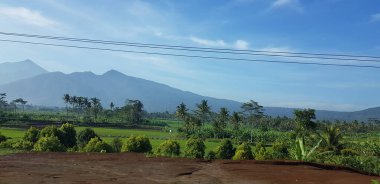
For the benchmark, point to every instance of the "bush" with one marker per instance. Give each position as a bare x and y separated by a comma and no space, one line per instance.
7,144
116,144
261,153
280,150
348,152
97,145
68,135
243,152
211,155
168,148
49,144
84,136
31,135
195,148
140,144
23,145
50,131
2,137
225,150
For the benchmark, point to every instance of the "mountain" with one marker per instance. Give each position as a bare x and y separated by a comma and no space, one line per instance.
10,72
48,89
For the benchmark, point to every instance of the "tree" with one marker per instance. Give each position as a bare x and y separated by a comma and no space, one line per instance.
97,145
304,121
20,101
255,112
331,137
140,144
84,136
49,144
96,106
225,150
31,135
236,120
195,148
203,111
50,131
181,112
3,102
68,135
134,110
66,99
112,105
221,121
243,152
168,148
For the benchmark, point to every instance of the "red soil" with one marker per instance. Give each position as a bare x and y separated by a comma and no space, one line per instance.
136,168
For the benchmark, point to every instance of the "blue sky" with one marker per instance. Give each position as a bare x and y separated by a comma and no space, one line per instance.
322,26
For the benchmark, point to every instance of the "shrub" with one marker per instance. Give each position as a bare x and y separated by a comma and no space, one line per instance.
225,150
195,148
168,148
140,144
68,135
49,144
31,135
211,155
97,145
50,131
7,144
280,150
23,145
243,152
2,137
116,144
261,153
84,136
348,152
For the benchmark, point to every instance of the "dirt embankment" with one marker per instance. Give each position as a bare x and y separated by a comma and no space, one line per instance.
136,168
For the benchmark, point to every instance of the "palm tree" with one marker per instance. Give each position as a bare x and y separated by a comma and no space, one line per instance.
236,120
181,113
203,111
331,137
66,99
112,105
255,112
96,105
221,122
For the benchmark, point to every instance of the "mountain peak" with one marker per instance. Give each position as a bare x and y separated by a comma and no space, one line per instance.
113,73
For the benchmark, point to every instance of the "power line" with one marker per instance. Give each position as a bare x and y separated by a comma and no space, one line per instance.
192,56
303,55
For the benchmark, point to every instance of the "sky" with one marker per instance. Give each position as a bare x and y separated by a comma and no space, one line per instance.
318,26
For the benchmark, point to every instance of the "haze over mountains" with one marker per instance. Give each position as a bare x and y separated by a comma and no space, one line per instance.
39,87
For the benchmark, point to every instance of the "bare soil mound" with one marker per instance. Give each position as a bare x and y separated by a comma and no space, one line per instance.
136,168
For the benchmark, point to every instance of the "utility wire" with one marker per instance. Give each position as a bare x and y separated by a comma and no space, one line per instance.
303,55
192,56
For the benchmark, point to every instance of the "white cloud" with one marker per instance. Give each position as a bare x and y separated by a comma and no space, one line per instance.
210,43
375,17
27,16
238,44
293,4
241,44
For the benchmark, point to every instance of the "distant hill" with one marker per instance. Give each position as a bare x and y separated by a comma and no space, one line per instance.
10,72
48,88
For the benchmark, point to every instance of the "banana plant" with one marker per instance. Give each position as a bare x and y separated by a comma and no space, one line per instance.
301,152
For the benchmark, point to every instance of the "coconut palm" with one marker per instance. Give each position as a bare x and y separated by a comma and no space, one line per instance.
331,138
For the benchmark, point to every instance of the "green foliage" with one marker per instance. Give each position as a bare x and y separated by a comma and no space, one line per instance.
50,144
225,150
195,148
375,182
211,155
243,152
2,138
68,135
50,131
348,152
369,164
140,144
116,144
304,119
23,145
300,149
280,150
168,148
331,138
84,136
261,153
31,135
97,145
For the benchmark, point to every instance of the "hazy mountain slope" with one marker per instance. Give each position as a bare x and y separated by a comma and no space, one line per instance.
10,72
48,89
